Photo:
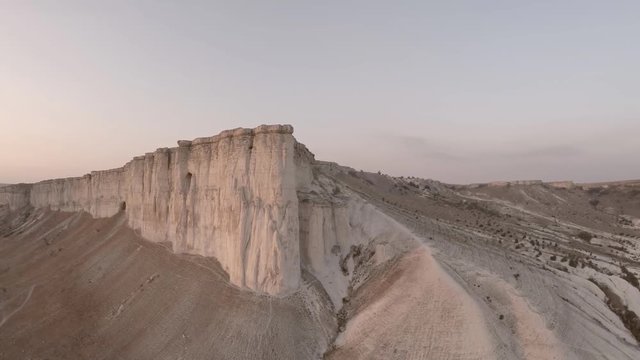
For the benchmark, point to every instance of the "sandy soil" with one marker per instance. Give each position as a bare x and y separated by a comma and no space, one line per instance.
414,311
73,287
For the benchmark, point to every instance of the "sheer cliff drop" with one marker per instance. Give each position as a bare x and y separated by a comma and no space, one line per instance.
231,196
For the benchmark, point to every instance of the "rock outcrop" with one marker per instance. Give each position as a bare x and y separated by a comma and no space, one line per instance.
232,196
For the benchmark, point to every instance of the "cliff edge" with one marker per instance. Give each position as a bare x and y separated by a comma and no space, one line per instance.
232,196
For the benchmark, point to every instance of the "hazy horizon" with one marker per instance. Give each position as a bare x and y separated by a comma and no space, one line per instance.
461,92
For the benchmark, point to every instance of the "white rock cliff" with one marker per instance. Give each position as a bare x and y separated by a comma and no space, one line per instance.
232,196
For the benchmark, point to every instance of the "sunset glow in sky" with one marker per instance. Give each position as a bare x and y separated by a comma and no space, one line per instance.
459,91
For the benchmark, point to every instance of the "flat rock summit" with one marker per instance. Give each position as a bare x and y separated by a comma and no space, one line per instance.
244,246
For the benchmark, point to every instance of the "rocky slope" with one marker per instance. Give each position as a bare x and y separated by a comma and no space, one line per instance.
243,246
553,268
73,287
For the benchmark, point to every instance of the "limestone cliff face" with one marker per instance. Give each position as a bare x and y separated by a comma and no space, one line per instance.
15,196
231,196
339,233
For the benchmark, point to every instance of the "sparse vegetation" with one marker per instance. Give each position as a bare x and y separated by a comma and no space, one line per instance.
616,247
573,261
342,319
585,236
630,277
629,318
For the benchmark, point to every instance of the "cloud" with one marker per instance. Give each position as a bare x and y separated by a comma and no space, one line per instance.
553,151
423,147
475,157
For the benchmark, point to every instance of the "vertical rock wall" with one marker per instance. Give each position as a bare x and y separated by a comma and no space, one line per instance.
231,196
15,196
337,233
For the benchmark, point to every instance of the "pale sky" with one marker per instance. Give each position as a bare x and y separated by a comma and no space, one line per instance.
458,91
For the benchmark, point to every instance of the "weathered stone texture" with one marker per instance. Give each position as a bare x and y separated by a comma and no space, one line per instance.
231,196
